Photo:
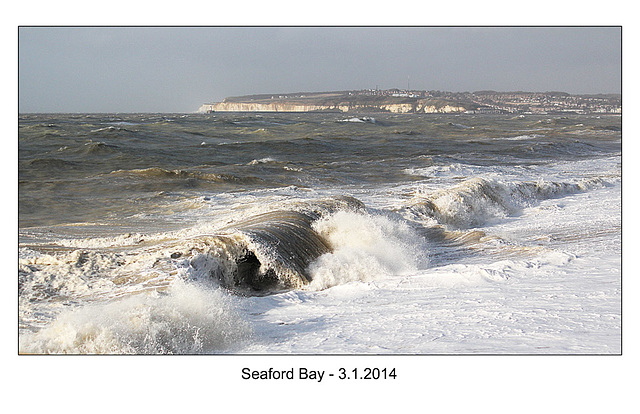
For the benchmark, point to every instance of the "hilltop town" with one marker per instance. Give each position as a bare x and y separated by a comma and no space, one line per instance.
412,101
545,102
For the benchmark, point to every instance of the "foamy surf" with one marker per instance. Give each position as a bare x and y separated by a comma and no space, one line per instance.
489,239
365,247
476,201
183,319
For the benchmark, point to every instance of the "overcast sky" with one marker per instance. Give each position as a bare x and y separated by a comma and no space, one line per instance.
176,69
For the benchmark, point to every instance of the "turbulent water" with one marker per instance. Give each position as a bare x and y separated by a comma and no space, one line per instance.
319,233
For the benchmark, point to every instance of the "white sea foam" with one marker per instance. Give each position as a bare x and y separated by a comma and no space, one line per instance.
501,271
109,128
440,170
523,137
553,299
476,201
186,319
364,247
364,119
265,160
128,239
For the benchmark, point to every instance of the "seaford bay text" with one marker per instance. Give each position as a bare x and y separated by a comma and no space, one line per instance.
318,375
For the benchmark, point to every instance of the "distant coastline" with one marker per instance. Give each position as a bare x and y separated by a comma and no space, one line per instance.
412,101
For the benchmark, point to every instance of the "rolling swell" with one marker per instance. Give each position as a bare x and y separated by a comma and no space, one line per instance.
188,178
50,163
478,200
269,252
99,148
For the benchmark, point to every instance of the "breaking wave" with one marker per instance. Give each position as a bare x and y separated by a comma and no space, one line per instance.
478,200
363,120
186,319
137,294
364,247
266,253
317,246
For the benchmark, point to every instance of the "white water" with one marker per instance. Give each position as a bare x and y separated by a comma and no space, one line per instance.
185,319
559,293
536,269
541,290
365,248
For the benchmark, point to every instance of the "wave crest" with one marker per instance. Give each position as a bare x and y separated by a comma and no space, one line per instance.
364,247
265,253
188,319
478,200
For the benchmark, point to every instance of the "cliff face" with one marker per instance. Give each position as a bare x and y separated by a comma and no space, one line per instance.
402,108
205,108
262,107
416,106
446,109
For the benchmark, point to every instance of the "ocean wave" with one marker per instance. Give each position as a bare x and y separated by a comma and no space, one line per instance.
406,132
362,120
122,123
252,122
310,245
266,160
440,170
111,128
265,253
318,245
171,296
185,319
478,200
523,137
161,173
364,247
611,128
459,126
93,148
51,163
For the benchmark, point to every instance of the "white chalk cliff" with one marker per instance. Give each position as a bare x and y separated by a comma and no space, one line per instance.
418,107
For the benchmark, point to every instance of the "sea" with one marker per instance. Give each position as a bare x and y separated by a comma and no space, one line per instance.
319,234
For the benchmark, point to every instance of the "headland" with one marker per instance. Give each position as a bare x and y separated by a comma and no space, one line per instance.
411,101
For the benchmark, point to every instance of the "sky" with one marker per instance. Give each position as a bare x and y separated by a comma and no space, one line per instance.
176,69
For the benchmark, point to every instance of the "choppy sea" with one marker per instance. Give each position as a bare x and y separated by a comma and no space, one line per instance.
319,234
